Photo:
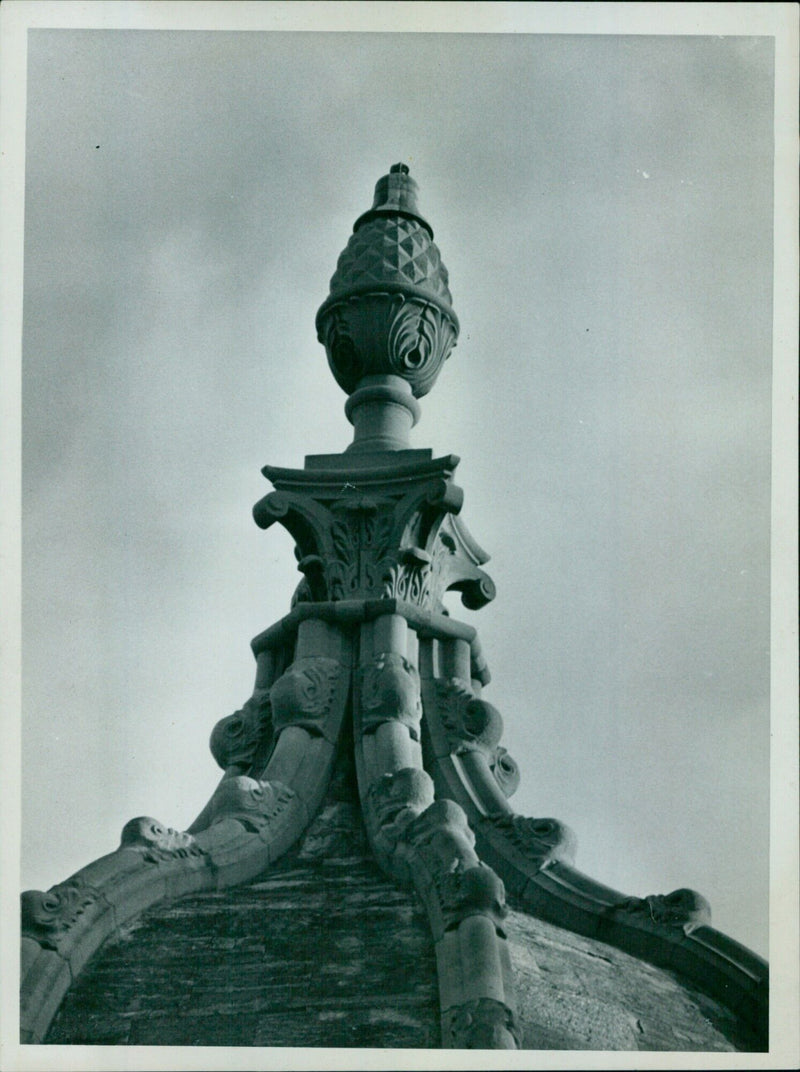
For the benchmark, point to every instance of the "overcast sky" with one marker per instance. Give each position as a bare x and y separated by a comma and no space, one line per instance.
604,207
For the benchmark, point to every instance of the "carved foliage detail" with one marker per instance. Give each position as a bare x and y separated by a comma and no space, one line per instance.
395,800
471,723
303,695
410,581
361,538
49,917
438,554
382,333
157,842
443,845
540,841
682,908
252,803
420,340
390,691
476,891
443,838
482,1025
236,738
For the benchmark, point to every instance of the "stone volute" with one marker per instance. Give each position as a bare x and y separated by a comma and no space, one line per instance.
388,324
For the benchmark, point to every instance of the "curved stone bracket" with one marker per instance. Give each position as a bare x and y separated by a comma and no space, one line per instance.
247,824
305,696
463,731
534,859
459,721
238,739
428,844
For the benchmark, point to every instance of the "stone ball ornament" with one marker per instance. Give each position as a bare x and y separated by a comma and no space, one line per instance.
389,311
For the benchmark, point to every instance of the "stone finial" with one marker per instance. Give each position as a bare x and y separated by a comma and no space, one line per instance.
388,320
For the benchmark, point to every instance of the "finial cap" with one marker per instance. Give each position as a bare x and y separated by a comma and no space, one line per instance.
395,195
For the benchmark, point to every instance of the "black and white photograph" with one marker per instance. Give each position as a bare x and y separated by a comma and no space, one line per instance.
400,558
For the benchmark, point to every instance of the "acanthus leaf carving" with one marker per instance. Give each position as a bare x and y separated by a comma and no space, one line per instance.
342,566
485,1024
390,692
361,546
469,722
48,917
381,332
411,579
252,803
419,342
303,695
456,557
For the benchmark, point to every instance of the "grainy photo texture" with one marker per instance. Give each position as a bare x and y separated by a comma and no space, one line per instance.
518,804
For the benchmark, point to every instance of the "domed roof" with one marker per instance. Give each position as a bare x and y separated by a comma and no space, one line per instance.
324,950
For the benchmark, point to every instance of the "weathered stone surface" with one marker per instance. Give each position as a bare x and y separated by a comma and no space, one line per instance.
390,309
324,951
575,993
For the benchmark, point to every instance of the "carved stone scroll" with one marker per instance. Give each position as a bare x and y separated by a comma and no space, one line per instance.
505,770
532,843
237,739
389,689
303,696
485,1024
464,731
470,723
682,908
50,917
157,842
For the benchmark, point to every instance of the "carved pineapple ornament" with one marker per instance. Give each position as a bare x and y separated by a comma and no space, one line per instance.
389,312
